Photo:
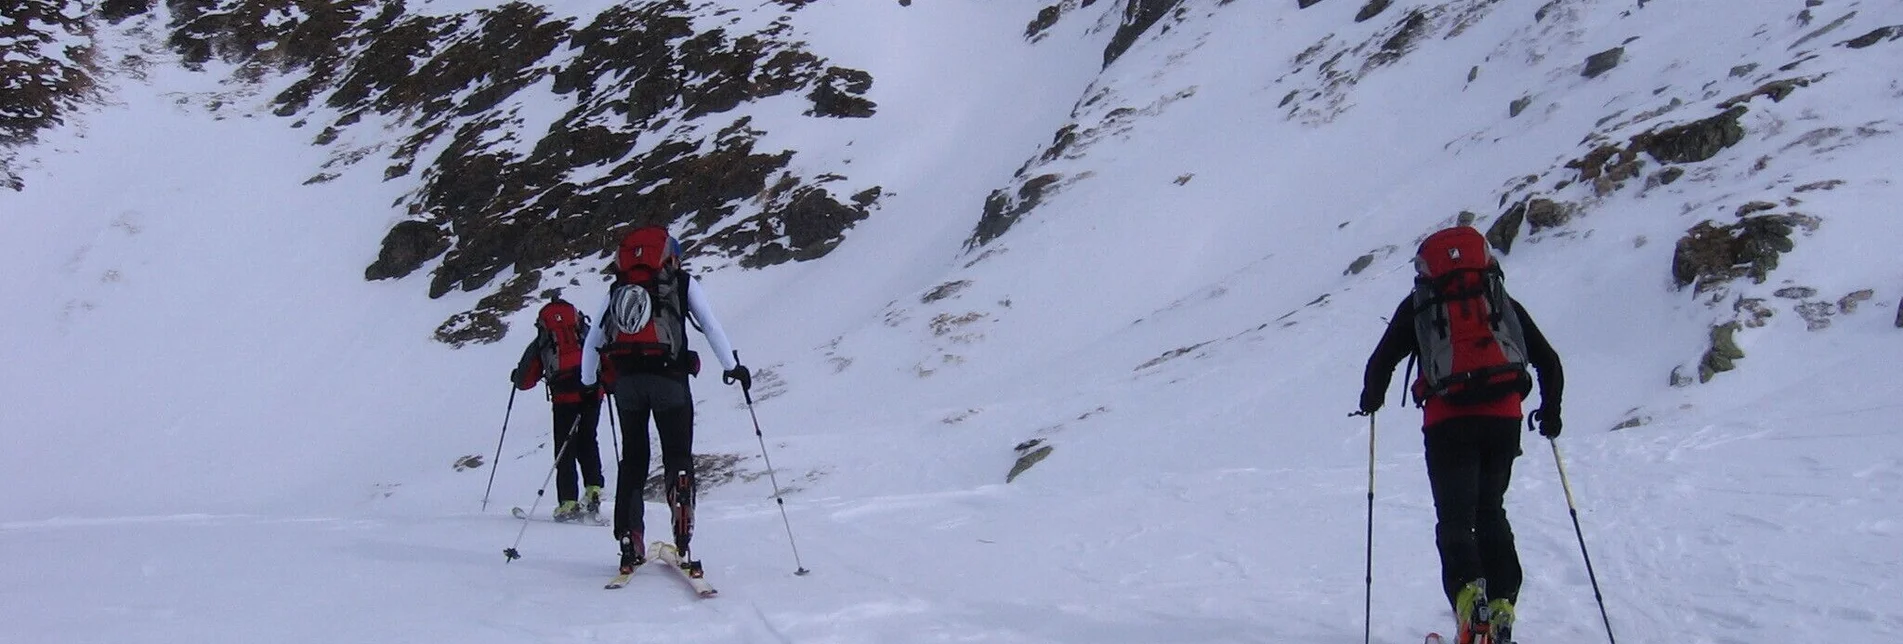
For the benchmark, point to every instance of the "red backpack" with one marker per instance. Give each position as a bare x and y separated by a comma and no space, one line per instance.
1472,349
646,321
559,332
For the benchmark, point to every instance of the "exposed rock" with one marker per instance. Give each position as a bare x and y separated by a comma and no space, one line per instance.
1002,209
1695,141
1138,17
1711,254
480,327
1878,35
46,69
1899,314
1723,354
1518,105
1603,62
1796,292
1372,9
1030,453
1546,213
840,94
1775,90
1360,264
1046,18
1816,315
942,291
1848,303
1406,32
1507,228
405,248
1304,4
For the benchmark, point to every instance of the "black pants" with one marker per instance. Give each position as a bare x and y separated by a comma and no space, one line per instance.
584,452
666,398
1469,463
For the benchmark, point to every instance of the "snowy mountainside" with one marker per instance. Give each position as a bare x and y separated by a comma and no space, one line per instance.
1147,280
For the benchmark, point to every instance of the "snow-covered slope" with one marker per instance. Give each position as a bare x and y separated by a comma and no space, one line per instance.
219,431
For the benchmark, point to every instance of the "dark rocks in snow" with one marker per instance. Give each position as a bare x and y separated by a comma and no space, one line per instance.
1775,90
1138,17
1372,9
1360,264
1710,254
1030,453
1002,209
1878,35
1506,229
1723,354
1603,62
1518,105
1546,213
1698,140
407,246
1304,4
840,93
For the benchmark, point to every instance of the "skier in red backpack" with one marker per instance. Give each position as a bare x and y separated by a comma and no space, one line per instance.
643,339
1474,343
555,357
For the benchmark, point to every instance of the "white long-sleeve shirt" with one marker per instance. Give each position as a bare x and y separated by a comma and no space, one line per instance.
699,307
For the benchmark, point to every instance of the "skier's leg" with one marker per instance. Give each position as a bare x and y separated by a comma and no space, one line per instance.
1500,444
674,423
631,476
565,414
587,446
1453,472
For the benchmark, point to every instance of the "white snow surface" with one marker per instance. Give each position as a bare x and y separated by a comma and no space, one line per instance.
217,431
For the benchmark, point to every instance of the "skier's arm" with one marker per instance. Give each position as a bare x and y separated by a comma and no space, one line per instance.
702,309
528,370
1396,343
591,347
1552,377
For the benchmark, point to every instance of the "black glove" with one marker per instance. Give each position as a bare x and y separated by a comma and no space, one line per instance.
1548,419
738,374
1370,401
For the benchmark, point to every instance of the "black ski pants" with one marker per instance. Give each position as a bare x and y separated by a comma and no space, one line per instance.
1469,464
575,428
668,400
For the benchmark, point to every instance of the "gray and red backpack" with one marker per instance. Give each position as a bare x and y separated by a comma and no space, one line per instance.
646,323
559,329
1471,346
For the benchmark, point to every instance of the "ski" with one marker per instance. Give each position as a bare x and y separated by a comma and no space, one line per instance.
690,571
620,580
1432,638
588,519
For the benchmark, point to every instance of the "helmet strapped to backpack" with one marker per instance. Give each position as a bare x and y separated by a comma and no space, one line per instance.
647,310
1472,348
559,332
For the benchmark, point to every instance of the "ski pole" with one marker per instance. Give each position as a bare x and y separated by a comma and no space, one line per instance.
614,434
1574,511
1367,609
748,393
497,461
510,554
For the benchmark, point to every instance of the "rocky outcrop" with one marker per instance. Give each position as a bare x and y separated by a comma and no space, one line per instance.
646,141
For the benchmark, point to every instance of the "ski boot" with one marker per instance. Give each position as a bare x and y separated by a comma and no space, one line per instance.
1472,614
568,511
1500,618
632,553
680,499
591,500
